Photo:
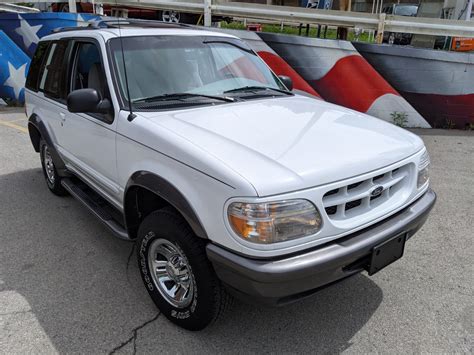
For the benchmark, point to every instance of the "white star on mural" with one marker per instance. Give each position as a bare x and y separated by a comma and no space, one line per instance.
82,22
17,79
28,32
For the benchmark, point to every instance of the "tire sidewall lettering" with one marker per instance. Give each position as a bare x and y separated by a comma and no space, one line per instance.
143,261
147,279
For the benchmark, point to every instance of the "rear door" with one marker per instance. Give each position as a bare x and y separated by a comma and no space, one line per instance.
51,90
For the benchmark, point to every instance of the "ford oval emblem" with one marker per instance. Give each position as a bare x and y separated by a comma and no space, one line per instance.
376,192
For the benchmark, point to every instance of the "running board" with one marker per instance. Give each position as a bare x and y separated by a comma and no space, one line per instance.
90,202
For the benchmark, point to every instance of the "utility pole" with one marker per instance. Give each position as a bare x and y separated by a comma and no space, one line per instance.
72,6
207,13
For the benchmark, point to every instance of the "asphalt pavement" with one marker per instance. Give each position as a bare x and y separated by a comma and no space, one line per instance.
68,286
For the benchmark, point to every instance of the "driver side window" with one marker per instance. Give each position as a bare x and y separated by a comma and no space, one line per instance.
88,71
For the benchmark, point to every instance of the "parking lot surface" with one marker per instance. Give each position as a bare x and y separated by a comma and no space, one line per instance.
68,286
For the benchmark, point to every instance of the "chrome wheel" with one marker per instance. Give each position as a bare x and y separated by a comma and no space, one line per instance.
171,273
48,165
170,16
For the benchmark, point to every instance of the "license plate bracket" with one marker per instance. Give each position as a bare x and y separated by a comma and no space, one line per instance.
386,253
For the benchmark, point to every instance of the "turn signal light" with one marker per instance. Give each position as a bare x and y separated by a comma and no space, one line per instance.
274,222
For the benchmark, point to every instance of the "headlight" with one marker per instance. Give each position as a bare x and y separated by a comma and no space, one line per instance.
423,170
273,222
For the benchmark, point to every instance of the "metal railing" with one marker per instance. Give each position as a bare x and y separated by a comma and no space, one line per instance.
288,14
7,7
379,22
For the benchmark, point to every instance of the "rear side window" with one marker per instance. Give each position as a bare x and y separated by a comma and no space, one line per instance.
52,77
35,66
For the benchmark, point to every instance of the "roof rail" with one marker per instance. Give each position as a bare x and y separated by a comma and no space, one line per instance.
115,22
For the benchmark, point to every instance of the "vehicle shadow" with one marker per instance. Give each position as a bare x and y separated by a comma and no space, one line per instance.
441,132
84,289
323,323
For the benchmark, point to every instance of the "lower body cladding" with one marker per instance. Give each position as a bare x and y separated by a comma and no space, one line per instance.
283,280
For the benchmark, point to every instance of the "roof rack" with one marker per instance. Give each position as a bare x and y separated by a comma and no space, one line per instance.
115,22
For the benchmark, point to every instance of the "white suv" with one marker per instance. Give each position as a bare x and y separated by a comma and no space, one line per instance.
187,143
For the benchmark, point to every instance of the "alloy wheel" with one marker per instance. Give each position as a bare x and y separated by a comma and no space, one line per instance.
171,273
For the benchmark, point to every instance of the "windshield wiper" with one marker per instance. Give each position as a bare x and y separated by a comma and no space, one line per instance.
248,50
182,95
257,88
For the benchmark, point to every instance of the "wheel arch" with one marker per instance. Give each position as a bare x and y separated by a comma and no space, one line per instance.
35,135
37,130
146,192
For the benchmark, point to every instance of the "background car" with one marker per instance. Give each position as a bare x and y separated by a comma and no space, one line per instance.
399,10
139,13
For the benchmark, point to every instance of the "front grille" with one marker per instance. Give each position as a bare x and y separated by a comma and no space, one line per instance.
360,197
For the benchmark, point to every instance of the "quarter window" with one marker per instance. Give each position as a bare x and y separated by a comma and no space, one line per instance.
35,66
52,76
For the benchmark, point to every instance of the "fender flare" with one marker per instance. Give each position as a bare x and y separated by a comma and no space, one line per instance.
35,122
169,193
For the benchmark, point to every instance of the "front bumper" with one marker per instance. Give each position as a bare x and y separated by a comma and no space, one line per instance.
281,280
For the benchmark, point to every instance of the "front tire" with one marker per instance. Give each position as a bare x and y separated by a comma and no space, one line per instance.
176,272
53,180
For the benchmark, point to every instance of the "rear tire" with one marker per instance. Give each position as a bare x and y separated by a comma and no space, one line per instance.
170,16
176,272
53,180
391,38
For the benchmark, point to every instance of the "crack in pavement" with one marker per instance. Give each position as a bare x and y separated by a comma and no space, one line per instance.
15,312
133,338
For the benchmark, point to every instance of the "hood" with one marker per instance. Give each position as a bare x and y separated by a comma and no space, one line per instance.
287,144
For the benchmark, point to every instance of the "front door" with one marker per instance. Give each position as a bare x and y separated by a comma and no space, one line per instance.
89,138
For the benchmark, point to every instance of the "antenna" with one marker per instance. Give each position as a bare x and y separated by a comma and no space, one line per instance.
131,115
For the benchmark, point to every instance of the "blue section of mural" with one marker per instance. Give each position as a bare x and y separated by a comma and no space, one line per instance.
19,36
14,64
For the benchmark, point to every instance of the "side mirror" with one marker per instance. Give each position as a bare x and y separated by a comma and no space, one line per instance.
87,100
287,81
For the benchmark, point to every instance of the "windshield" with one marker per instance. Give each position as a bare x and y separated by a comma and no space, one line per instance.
406,10
186,67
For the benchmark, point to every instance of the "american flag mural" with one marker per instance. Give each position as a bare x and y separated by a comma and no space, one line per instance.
19,36
342,76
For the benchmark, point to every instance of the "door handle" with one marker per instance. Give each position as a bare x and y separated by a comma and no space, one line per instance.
63,117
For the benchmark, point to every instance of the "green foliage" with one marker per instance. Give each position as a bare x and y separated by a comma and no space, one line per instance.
399,119
450,124
294,30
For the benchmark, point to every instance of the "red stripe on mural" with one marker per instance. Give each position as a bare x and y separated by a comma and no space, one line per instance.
456,111
280,67
353,83
243,67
